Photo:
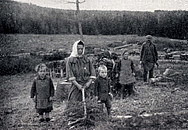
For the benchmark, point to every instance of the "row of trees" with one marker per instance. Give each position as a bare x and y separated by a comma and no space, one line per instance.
27,18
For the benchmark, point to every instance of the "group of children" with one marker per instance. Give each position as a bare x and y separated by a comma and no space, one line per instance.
42,90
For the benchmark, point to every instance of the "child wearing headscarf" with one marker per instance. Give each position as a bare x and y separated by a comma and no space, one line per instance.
127,78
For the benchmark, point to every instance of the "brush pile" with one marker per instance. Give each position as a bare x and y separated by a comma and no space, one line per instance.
75,111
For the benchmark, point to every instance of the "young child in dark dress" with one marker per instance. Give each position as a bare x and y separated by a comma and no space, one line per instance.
127,78
42,92
102,88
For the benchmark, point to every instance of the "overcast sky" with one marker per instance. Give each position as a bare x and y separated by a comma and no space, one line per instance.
132,5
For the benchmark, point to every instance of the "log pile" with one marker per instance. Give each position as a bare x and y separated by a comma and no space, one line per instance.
168,76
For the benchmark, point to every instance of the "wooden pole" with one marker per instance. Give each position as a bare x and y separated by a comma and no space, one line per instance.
78,17
61,71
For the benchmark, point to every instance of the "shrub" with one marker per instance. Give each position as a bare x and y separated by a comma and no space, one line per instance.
162,43
14,65
55,56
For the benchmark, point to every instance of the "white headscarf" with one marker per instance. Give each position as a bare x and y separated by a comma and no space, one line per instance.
74,52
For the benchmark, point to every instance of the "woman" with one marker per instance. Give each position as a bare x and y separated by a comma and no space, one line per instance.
80,71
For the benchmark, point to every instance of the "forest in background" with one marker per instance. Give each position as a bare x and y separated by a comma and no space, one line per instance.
22,18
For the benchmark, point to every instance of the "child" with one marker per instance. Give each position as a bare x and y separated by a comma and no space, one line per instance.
102,88
42,92
126,78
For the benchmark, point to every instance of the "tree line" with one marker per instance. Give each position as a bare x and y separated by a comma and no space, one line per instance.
22,18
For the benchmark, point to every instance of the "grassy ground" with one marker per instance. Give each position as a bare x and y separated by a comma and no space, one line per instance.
29,43
155,107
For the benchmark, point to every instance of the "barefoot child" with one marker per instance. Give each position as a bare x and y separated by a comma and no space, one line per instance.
102,88
42,92
126,78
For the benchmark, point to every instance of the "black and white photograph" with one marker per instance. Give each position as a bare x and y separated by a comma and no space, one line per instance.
93,64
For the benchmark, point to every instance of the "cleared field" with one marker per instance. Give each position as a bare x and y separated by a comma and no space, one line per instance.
28,42
155,106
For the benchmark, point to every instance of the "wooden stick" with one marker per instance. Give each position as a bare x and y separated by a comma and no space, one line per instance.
84,102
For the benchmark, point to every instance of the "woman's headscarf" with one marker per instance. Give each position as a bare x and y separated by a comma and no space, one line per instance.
74,52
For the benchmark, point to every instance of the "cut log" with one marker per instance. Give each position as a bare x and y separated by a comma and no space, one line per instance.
150,114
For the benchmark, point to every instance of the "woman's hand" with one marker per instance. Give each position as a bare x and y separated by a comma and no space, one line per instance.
51,99
79,87
77,84
88,83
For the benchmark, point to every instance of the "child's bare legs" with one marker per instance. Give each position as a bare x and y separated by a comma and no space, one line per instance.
41,116
47,114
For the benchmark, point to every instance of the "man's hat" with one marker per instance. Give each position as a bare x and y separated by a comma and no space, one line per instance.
149,37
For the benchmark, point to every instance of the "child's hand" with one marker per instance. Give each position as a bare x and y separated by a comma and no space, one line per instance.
133,74
110,96
96,97
117,75
51,98
99,101
157,64
33,99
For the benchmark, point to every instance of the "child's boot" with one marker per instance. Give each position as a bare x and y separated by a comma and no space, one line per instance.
41,118
47,117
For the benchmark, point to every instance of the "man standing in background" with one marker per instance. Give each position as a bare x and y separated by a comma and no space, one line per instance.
148,57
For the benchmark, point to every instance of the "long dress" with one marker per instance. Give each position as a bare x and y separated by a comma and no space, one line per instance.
126,75
81,70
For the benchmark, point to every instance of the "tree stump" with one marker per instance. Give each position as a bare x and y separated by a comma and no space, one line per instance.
62,91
